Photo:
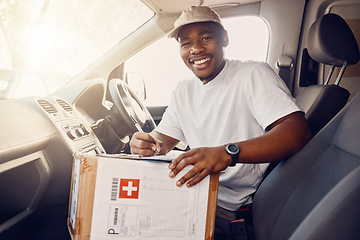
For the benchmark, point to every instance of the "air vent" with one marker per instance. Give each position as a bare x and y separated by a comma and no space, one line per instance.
48,107
67,107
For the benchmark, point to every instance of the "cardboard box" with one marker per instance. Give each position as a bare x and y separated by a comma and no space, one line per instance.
116,197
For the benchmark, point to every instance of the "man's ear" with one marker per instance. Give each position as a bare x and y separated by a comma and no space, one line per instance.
225,39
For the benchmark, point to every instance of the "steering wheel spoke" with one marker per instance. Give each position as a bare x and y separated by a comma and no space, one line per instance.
127,106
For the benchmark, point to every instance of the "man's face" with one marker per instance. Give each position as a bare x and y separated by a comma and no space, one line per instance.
201,48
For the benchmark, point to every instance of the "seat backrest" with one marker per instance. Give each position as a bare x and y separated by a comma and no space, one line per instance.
330,42
321,103
315,194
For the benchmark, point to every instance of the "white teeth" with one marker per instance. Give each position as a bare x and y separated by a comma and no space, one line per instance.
201,61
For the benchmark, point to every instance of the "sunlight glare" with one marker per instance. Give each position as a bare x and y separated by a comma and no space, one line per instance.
39,45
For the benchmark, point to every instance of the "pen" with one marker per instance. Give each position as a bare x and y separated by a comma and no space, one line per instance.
138,127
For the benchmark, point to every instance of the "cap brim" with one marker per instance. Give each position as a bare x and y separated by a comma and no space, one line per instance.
174,33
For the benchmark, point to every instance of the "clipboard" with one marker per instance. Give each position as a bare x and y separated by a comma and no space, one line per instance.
82,200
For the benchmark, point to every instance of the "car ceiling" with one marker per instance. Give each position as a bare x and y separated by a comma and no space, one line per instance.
175,6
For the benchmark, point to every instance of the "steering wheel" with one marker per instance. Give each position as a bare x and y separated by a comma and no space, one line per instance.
127,110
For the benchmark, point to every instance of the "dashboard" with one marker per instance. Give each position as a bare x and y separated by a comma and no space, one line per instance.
38,139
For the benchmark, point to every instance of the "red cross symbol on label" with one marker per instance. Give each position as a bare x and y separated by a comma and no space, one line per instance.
129,188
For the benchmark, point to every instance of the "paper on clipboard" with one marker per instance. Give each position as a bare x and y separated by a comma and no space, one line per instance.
138,200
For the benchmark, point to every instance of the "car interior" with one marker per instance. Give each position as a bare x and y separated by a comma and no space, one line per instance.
312,44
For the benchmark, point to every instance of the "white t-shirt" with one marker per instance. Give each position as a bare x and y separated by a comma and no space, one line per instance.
237,105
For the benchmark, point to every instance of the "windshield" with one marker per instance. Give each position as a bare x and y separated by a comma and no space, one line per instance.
45,43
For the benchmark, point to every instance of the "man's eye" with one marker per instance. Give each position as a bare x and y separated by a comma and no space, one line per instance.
185,44
206,38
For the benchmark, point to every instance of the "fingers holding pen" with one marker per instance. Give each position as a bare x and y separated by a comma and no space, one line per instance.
144,144
157,146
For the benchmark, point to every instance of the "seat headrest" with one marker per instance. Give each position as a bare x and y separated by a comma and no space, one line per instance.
331,41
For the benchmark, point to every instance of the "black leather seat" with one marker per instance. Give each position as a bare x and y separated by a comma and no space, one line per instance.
315,194
330,42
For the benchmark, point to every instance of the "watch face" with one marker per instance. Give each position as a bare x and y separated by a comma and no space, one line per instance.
232,148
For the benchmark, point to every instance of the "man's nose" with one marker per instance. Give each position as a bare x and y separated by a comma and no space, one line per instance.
197,48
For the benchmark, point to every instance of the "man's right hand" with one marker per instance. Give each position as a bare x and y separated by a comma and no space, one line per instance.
144,144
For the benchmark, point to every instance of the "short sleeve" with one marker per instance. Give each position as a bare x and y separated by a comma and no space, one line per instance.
268,96
169,124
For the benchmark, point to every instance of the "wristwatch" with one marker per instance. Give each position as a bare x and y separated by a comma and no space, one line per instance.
233,150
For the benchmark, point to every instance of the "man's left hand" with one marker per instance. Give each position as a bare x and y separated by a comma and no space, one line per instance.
205,161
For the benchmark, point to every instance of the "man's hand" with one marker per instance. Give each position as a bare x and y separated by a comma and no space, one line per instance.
205,160
144,144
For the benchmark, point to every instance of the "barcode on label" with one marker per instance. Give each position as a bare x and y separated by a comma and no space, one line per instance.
116,216
114,188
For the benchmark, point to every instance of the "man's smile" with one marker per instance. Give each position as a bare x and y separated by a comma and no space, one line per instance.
198,62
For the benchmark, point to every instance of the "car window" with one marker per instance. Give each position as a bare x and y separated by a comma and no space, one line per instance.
162,68
39,37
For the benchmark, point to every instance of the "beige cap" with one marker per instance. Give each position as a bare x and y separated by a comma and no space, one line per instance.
192,15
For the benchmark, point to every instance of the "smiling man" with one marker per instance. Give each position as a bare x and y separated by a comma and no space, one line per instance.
197,37
235,116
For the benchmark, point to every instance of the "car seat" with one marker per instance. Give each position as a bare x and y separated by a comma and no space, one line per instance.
315,194
330,42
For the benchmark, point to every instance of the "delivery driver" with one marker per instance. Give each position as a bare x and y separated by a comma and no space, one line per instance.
235,116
